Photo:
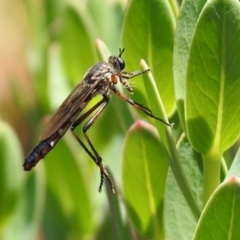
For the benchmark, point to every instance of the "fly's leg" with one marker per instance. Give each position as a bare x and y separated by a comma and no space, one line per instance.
125,76
129,75
140,107
98,161
94,154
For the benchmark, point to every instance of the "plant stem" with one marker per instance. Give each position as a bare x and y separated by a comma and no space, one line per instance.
212,166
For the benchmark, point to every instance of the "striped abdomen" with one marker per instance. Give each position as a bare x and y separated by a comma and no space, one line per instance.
40,151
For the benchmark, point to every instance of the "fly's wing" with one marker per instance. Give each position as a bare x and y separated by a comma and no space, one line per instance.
73,104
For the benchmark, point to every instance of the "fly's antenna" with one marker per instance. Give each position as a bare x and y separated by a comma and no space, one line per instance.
121,52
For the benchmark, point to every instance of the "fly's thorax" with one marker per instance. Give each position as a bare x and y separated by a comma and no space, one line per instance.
104,83
96,72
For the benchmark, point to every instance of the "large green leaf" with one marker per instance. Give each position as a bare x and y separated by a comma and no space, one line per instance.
77,47
188,15
108,31
179,220
221,216
148,34
57,87
168,141
22,202
54,9
213,78
26,220
11,173
120,228
66,183
37,57
213,86
235,167
144,174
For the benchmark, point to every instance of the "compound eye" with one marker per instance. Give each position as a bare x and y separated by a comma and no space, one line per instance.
121,63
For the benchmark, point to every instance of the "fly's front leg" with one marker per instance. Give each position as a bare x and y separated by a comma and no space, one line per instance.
129,75
125,76
140,107
93,153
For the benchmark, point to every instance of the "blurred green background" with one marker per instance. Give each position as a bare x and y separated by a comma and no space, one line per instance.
45,49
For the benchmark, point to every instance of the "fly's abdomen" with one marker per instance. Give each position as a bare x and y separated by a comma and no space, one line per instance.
40,151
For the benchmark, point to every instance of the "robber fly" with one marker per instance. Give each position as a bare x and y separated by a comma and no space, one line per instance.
100,79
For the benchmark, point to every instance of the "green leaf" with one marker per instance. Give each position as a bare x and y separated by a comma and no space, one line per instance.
37,62
213,86
26,220
144,174
102,50
11,172
168,141
53,10
178,219
188,16
148,34
55,216
65,181
235,167
121,230
108,30
213,78
58,88
77,47
221,216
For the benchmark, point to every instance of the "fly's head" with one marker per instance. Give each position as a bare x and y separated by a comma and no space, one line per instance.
116,62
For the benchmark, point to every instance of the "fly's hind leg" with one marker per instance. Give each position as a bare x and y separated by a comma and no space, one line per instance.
93,153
